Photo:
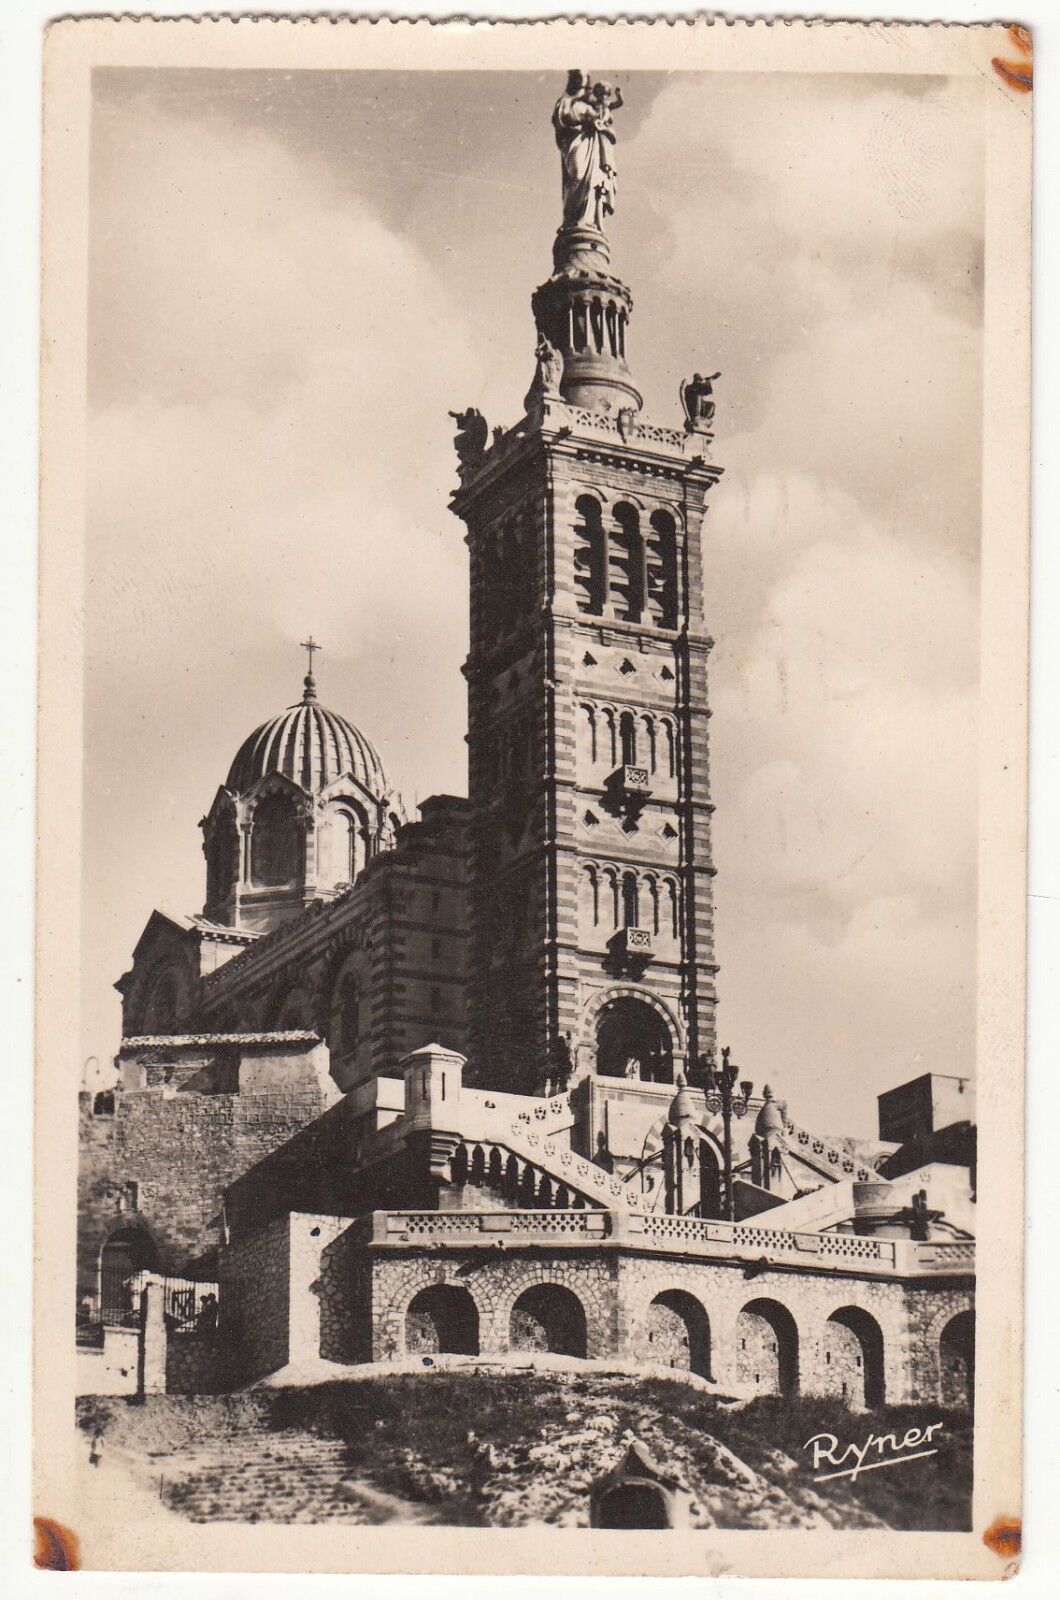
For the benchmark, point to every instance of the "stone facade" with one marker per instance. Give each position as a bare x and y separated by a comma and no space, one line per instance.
159,1164
865,1338
376,969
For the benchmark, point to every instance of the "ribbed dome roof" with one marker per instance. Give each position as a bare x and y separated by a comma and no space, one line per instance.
310,745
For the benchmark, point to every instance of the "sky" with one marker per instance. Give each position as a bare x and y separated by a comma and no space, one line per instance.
295,276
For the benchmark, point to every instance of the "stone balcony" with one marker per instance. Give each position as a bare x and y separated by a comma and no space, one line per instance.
671,1235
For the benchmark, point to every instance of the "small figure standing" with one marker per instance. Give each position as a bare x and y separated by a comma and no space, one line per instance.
95,1449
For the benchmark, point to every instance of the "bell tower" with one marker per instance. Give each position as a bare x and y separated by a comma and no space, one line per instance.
591,869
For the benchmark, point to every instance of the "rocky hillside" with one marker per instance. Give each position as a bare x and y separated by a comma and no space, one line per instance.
498,1449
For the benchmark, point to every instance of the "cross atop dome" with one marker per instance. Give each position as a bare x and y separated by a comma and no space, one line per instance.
310,645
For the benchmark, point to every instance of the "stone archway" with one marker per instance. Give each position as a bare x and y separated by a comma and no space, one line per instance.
633,1040
767,1348
549,1317
125,1253
677,1332
853,1358
957,1362
442,1320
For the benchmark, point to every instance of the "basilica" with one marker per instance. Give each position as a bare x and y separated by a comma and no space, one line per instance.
450,1085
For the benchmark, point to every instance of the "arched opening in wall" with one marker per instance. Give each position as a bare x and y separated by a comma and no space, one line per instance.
633,1505
343,846
662,570
767,1348
222,860
678,1333
590,556
551,1318
853,1358
627,729
275,842
957,1362
633,1041
442,1320
345,1029
589,898
626,570
630,900
126,1253
710,1185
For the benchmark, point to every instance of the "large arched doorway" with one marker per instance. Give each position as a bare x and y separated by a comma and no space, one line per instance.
549,1317
442,1320
678,1332
853,1358
767,1348
957,1361
633,1041
126,1253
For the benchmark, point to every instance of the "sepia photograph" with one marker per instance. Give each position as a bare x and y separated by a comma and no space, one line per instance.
546,890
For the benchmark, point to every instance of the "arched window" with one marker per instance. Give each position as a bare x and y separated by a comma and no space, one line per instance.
590,556
222,859
670,743
347,826
349,1018
626,570
610,737
662,570
615,895
611,321
627,728
276,842
653,903
630,901
671,926
648,747
590,898
588,741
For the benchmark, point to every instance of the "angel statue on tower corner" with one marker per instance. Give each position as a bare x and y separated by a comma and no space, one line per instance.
584,129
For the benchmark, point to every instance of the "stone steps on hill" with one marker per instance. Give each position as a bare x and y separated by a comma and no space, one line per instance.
269,1477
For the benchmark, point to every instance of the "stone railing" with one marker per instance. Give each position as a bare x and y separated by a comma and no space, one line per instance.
548,1116
720,1241
827,1152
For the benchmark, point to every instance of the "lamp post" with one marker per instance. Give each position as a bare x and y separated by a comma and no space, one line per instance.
719,1084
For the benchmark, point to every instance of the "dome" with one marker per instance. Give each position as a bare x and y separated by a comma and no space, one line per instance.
770,1119
310,745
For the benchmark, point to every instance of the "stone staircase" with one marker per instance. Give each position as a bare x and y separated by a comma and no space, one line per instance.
273,1477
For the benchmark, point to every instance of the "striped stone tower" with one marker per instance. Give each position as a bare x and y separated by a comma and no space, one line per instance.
591,900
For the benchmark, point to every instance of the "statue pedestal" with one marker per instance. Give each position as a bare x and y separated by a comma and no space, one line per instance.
581,249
